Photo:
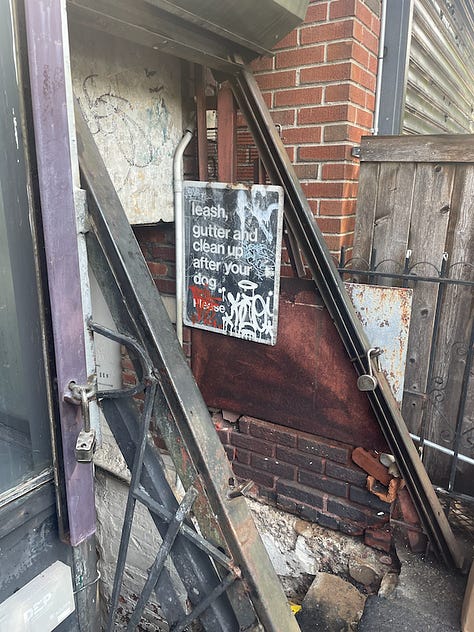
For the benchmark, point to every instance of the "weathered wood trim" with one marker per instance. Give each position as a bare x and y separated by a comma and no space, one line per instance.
439,148
201,122
226,133
17,514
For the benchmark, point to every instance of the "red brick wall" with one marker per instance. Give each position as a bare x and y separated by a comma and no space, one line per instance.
320,88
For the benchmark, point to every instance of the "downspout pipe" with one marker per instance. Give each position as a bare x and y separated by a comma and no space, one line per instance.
179,226
380,58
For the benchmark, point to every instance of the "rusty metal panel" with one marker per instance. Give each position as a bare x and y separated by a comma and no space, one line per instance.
385,315
131,98
305,381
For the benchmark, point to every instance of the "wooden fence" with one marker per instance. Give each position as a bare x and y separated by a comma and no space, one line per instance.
415,220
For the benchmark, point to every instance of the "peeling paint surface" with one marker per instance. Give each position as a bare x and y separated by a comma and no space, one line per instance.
385,315
131,99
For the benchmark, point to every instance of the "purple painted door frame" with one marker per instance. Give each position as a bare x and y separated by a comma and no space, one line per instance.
47,52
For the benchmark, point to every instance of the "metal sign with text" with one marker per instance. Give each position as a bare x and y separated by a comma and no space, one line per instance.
232,258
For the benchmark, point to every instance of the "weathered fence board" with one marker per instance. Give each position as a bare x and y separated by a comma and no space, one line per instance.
443,148
430,209
416,196
455,323
366,203
428,226
393,211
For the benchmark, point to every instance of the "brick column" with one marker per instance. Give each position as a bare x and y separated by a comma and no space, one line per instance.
320,88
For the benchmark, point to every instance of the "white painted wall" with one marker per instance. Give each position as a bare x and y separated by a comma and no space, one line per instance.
131,98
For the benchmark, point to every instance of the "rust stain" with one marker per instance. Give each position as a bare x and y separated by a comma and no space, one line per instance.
385,315
305,382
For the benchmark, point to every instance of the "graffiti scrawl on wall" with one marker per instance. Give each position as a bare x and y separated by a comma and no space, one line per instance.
232,258
132,103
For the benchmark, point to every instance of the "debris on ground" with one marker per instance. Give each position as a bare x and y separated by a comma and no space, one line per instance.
331,605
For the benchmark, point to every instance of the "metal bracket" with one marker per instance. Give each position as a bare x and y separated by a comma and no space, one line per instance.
82,395
355,152
368,381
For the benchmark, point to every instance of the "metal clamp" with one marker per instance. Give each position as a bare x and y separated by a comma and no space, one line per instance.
83,395
239,490
368,382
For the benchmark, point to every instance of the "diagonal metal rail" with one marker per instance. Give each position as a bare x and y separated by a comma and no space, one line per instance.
256,596
302,224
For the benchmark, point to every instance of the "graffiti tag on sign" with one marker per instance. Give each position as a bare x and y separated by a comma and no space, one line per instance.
232,258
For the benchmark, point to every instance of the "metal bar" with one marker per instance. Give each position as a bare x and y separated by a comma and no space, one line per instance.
392,84
373,259
432,356
165,548
406,266
406,277
205,603
342,259
294,253
188,533
130,507
464,498
440,448
461,410
130,343
188,429
331,288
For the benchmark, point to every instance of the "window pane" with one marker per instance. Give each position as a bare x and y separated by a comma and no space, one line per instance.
25,446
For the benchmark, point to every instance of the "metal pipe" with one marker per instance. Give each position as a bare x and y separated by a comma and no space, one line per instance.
440,448
380,58
179,226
